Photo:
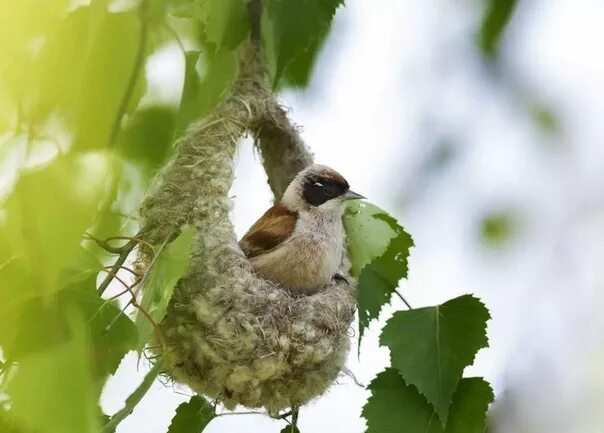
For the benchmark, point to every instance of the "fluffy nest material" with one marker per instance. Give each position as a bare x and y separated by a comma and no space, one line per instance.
230,335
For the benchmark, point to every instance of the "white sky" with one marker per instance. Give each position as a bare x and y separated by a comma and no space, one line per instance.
394,76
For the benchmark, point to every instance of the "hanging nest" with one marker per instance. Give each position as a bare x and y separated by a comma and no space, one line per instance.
228,334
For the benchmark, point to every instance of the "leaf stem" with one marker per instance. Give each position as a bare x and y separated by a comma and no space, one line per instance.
403,299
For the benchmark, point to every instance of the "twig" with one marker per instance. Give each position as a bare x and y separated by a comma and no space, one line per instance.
350,374
240,413
103,244
127,249
136,238
126,268
114,275
123,292
403,299
117,316
135,304
138,63
285,414
294,425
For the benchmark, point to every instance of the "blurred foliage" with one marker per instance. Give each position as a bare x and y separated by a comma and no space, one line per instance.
170,265
496,17
296,29
497,228
81,137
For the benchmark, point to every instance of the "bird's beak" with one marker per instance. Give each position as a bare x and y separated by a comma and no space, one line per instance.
351,195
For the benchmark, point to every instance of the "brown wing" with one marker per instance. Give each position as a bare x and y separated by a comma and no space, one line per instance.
274,227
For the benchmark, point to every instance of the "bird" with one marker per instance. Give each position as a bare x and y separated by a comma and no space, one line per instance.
298,242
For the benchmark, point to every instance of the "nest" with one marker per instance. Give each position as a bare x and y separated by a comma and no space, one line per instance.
230,335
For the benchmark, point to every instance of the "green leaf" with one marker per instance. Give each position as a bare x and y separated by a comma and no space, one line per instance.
369,231
134,399
42,398
111,332
147,137
202,92
225,23
496,18
8,424
296,26
170,265
46,216
469,407
192,416
378,249
290,429
394,404
430,347
299,71
85,70
23,23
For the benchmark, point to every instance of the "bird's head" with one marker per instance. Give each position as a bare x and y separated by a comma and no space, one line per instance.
318,186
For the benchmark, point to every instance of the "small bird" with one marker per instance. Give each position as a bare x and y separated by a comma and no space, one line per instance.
298,243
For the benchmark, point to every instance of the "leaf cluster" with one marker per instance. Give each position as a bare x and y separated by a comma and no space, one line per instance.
423,390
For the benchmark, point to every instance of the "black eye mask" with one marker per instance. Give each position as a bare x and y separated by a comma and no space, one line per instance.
318,191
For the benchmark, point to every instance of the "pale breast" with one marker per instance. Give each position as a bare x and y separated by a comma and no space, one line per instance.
308,260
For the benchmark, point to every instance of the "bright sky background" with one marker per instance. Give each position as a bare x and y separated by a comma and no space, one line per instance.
396,80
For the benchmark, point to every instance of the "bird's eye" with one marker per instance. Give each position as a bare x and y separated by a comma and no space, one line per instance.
319,184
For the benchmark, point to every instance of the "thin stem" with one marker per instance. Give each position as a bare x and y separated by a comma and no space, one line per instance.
104,244
117,316
175,36
125,268
136,238
403,299
127,249
239,413
114,275
138,63
285,414
294,425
